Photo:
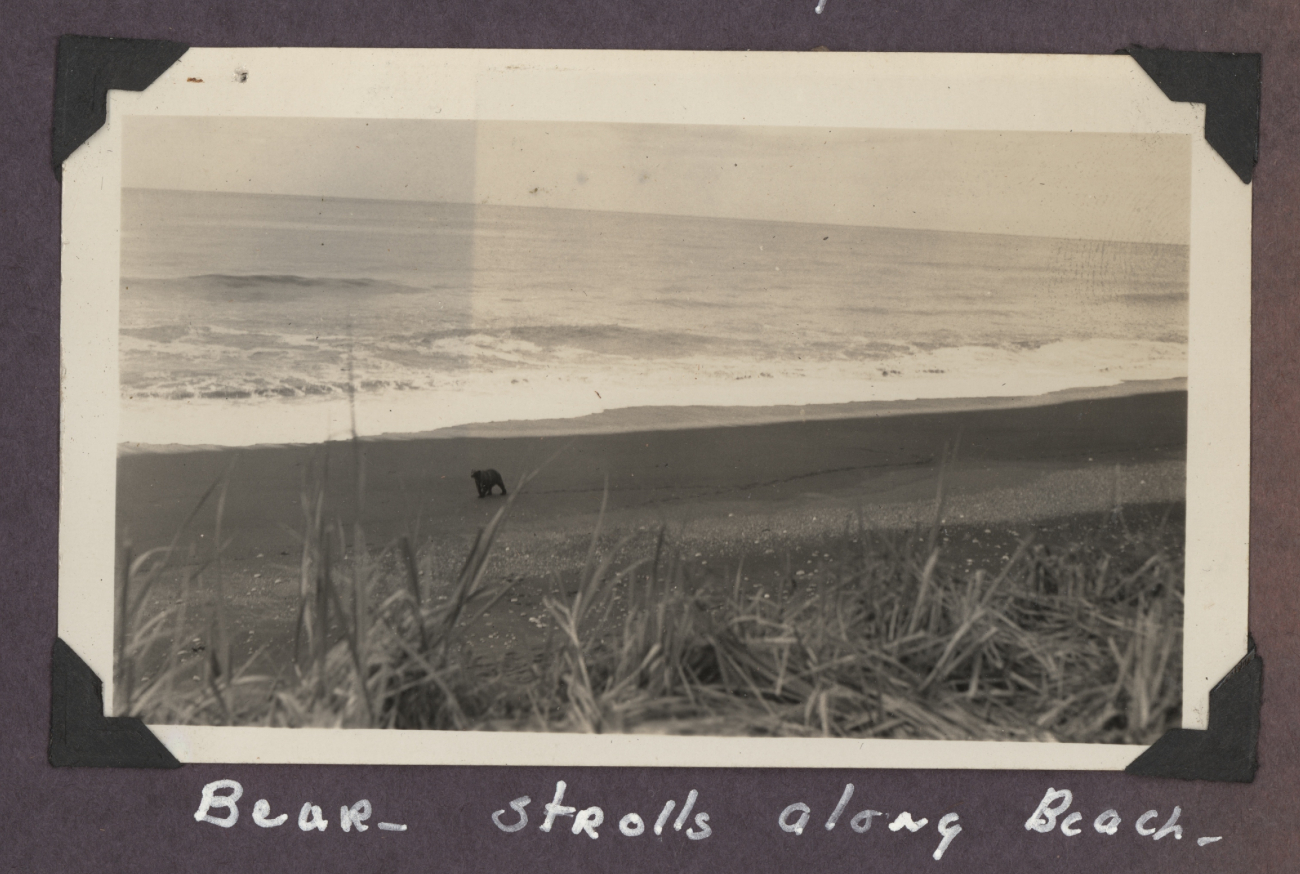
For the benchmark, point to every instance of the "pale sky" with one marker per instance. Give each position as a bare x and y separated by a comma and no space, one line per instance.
1084,186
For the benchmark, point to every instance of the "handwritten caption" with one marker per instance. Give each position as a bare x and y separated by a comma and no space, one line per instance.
219,805
589,819
310,816
1056,802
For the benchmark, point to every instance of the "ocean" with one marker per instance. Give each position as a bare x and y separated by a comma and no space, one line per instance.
281,319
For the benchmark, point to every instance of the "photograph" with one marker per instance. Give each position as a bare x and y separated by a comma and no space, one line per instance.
519,425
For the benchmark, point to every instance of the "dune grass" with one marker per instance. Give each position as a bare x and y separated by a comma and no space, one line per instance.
887,638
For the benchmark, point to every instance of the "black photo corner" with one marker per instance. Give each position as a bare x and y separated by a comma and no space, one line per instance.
1224,752
1228,84
81,736
88,67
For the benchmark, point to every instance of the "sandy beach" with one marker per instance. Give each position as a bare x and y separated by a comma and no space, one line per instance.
776,496
1014,462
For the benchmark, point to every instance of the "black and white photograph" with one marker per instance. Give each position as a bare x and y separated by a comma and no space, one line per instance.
660,428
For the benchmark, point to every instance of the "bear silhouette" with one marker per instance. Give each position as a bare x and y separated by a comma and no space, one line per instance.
486,480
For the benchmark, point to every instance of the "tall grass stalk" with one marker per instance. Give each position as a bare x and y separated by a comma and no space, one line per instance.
888,638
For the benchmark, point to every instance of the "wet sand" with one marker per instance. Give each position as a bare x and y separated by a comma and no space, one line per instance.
683,475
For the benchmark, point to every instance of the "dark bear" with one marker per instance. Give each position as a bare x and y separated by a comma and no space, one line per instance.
486,480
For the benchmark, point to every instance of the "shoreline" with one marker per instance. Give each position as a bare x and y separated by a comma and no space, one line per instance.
627,420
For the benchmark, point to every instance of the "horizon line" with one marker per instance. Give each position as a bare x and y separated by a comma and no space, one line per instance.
334,197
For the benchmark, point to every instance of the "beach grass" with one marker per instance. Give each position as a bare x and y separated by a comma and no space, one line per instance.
1075,640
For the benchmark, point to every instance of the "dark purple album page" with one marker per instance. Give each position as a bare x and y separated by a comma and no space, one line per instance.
644,818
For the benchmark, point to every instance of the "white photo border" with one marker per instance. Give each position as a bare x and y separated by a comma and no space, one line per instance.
1082,93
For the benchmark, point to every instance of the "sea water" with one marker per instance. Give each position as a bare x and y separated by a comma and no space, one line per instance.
269,319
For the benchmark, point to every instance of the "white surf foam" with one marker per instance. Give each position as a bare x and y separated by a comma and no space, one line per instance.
510,393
